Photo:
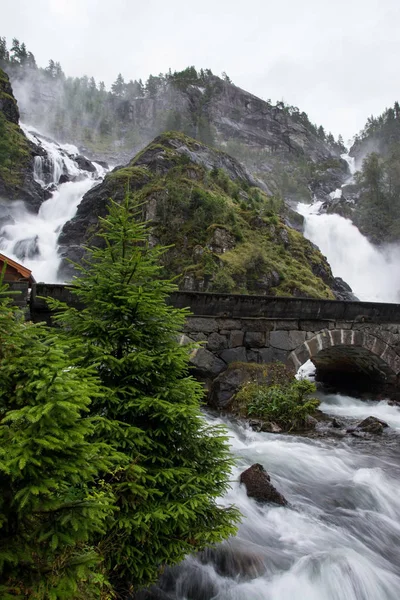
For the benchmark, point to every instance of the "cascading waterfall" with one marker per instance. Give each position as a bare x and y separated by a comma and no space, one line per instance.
371,272
31,239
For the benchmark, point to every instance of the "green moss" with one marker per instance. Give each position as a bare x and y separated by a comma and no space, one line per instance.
134,174
14,152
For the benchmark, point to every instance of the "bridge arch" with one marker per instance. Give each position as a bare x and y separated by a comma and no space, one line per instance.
349,355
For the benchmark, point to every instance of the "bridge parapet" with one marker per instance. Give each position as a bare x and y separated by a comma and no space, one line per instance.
261,329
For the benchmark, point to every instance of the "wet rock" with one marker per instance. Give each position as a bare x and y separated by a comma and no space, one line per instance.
63,178
6,220
28,248
311,422
265,426
336,424
371,425
342,290
258,485
232,560
84,163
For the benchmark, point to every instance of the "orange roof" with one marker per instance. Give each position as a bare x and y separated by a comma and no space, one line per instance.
23,271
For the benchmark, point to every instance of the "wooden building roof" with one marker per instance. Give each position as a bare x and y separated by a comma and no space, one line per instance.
23,272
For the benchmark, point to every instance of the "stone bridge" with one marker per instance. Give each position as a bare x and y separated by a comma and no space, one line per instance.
359,341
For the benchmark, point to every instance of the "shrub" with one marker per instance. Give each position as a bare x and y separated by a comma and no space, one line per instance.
286,404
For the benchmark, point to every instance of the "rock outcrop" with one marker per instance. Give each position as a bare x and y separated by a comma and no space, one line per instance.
227,232
16,153
258,486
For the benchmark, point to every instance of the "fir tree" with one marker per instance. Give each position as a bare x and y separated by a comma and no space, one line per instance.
49,507
118,87
179,466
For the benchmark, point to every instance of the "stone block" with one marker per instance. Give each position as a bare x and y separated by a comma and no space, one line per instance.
313,326
286,325
216,342
254,339
314,345
228,324
231,355
236,339
268,355
201,324
257,324
303,355
297,338
198,336
281,340
344,324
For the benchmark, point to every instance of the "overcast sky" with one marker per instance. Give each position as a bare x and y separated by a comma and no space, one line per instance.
336,59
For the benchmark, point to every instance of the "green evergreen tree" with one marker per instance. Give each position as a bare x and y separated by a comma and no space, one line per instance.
4,54
118,87
49,507
179,466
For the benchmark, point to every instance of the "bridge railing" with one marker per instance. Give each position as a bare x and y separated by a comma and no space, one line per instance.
243,306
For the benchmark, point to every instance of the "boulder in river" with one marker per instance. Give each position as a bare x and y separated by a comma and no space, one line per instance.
372,425
258,485
233,560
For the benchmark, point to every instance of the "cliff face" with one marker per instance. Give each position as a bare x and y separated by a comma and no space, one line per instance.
228,234
16,153
275,142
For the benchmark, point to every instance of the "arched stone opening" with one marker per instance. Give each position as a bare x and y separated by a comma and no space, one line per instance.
350,361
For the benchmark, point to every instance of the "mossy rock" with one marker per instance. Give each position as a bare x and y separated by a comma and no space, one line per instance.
227,384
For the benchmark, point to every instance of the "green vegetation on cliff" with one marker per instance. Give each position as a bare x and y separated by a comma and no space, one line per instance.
377,212
227,235
14,147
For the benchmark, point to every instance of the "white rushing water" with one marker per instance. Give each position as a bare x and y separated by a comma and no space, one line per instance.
372,273
31,239
337,540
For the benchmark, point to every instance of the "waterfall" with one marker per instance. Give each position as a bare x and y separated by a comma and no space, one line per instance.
371,272
31,239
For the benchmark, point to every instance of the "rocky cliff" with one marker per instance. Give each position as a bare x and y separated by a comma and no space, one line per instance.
228,234
16,153
275,141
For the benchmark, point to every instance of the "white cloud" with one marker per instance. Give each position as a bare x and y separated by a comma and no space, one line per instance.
335,60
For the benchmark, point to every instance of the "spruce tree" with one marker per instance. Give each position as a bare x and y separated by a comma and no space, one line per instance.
50,509
179,466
